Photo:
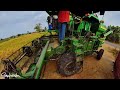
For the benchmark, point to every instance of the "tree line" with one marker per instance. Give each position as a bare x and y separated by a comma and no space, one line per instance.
115,36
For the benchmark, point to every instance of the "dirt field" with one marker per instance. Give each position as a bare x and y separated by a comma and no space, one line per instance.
92,68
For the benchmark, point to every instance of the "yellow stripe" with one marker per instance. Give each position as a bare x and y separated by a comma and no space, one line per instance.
103,28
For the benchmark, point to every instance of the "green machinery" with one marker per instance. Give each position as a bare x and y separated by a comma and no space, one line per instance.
89,35
82,38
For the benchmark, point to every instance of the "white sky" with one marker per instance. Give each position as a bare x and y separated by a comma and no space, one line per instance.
15,22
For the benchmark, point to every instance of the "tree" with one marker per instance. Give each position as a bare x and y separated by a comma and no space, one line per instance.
12,37
38,27
28,32
45,29
18,35
115,36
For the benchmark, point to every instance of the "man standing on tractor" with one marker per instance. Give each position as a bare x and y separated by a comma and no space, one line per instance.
63,19
49,20
55,22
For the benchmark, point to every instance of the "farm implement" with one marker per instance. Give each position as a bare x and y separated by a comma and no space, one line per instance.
82,39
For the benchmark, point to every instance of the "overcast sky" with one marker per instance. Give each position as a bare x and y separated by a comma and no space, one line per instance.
16,22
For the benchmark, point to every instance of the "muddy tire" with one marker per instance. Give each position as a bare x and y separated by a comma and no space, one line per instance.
66,65
99,54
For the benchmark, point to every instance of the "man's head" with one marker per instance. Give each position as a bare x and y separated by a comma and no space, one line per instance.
87,14
55,16
102,21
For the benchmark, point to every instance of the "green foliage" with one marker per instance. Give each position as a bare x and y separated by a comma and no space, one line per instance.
115,37
19,35
38,27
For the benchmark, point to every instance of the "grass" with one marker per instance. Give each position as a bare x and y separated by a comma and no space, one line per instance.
10,46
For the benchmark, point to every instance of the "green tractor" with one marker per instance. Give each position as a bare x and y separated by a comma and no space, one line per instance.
84,35
79,42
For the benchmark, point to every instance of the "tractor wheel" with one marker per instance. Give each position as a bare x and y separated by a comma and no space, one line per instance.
99,54
66,65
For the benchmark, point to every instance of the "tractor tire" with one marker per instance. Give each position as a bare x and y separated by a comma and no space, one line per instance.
99,54
66,65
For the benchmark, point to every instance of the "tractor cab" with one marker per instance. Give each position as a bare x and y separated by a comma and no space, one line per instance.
91,23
